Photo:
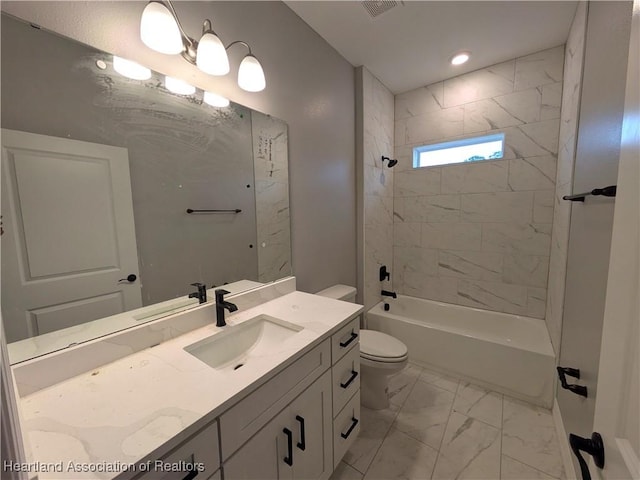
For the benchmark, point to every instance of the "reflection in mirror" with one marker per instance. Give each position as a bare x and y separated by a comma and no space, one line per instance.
98,174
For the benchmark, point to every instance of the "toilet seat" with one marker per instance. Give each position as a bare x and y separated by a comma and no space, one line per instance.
380,347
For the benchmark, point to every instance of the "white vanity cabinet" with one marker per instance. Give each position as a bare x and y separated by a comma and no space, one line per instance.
345,354
306,437
294,444
200,450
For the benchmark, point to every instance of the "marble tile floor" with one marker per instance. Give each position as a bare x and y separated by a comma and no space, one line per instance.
439,427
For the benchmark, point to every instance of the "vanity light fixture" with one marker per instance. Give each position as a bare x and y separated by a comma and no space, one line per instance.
211,56
460,58
178,87
161,31
215,100
130,69
250,74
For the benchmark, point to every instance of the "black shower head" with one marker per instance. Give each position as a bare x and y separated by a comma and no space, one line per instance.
391,163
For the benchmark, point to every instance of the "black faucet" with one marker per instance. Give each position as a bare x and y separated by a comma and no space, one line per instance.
221,305
201,294
386,293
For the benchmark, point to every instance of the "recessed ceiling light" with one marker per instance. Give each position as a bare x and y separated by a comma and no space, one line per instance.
101,64
460,58
179,87
130,69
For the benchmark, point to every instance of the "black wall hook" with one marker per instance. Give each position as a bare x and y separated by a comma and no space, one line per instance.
575,373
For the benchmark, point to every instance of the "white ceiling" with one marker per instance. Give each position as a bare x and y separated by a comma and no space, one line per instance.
411,45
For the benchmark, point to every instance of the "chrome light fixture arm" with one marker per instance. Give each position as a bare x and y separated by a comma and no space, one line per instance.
185,37
241,42
190,45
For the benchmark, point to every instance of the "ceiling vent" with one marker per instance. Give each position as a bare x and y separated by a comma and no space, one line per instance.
379,7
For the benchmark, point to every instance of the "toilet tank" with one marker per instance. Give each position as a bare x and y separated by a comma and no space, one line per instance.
340,292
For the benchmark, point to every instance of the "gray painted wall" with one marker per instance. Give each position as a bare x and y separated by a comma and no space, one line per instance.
309,85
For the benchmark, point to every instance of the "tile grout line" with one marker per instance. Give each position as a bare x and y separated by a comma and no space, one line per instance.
536,407
532,467
445,429
457,392
386,434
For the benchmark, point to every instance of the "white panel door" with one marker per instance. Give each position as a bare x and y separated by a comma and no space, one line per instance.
69,233
617,415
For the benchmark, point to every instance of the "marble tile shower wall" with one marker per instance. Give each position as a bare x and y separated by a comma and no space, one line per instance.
479,234
574,55
271,170
378,183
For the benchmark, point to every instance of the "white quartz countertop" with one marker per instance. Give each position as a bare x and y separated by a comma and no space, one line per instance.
126,411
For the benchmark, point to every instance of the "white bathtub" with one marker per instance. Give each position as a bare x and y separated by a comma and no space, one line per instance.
507,353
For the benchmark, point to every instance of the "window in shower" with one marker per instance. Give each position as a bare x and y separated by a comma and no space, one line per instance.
487,147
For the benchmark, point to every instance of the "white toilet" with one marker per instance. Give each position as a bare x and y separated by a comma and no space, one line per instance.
381,355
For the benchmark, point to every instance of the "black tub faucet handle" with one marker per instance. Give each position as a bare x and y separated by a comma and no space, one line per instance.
384,273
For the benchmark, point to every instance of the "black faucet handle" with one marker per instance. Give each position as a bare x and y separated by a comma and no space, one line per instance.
220,292
384,273
201,295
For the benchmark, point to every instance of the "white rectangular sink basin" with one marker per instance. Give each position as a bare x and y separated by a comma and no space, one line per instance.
239,345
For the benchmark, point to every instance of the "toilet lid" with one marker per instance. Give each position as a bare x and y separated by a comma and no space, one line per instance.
381,347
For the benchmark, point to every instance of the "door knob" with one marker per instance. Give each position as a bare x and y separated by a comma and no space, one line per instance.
130,278
593,446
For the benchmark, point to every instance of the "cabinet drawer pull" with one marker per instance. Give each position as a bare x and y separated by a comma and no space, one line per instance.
289,458
192,474
353,425
346,384
301,444
354,335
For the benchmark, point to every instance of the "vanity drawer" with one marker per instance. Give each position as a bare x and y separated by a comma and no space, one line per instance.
201,449
345,377
346,427
345,339
250,414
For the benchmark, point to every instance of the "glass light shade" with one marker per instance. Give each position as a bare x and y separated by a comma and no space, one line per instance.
460,58
130,69
176,85
159,30
251,75
212,57
215,100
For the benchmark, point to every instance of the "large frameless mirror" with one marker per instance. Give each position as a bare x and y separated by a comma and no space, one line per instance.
118,194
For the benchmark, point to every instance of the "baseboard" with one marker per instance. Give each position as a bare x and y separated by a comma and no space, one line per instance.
565,450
